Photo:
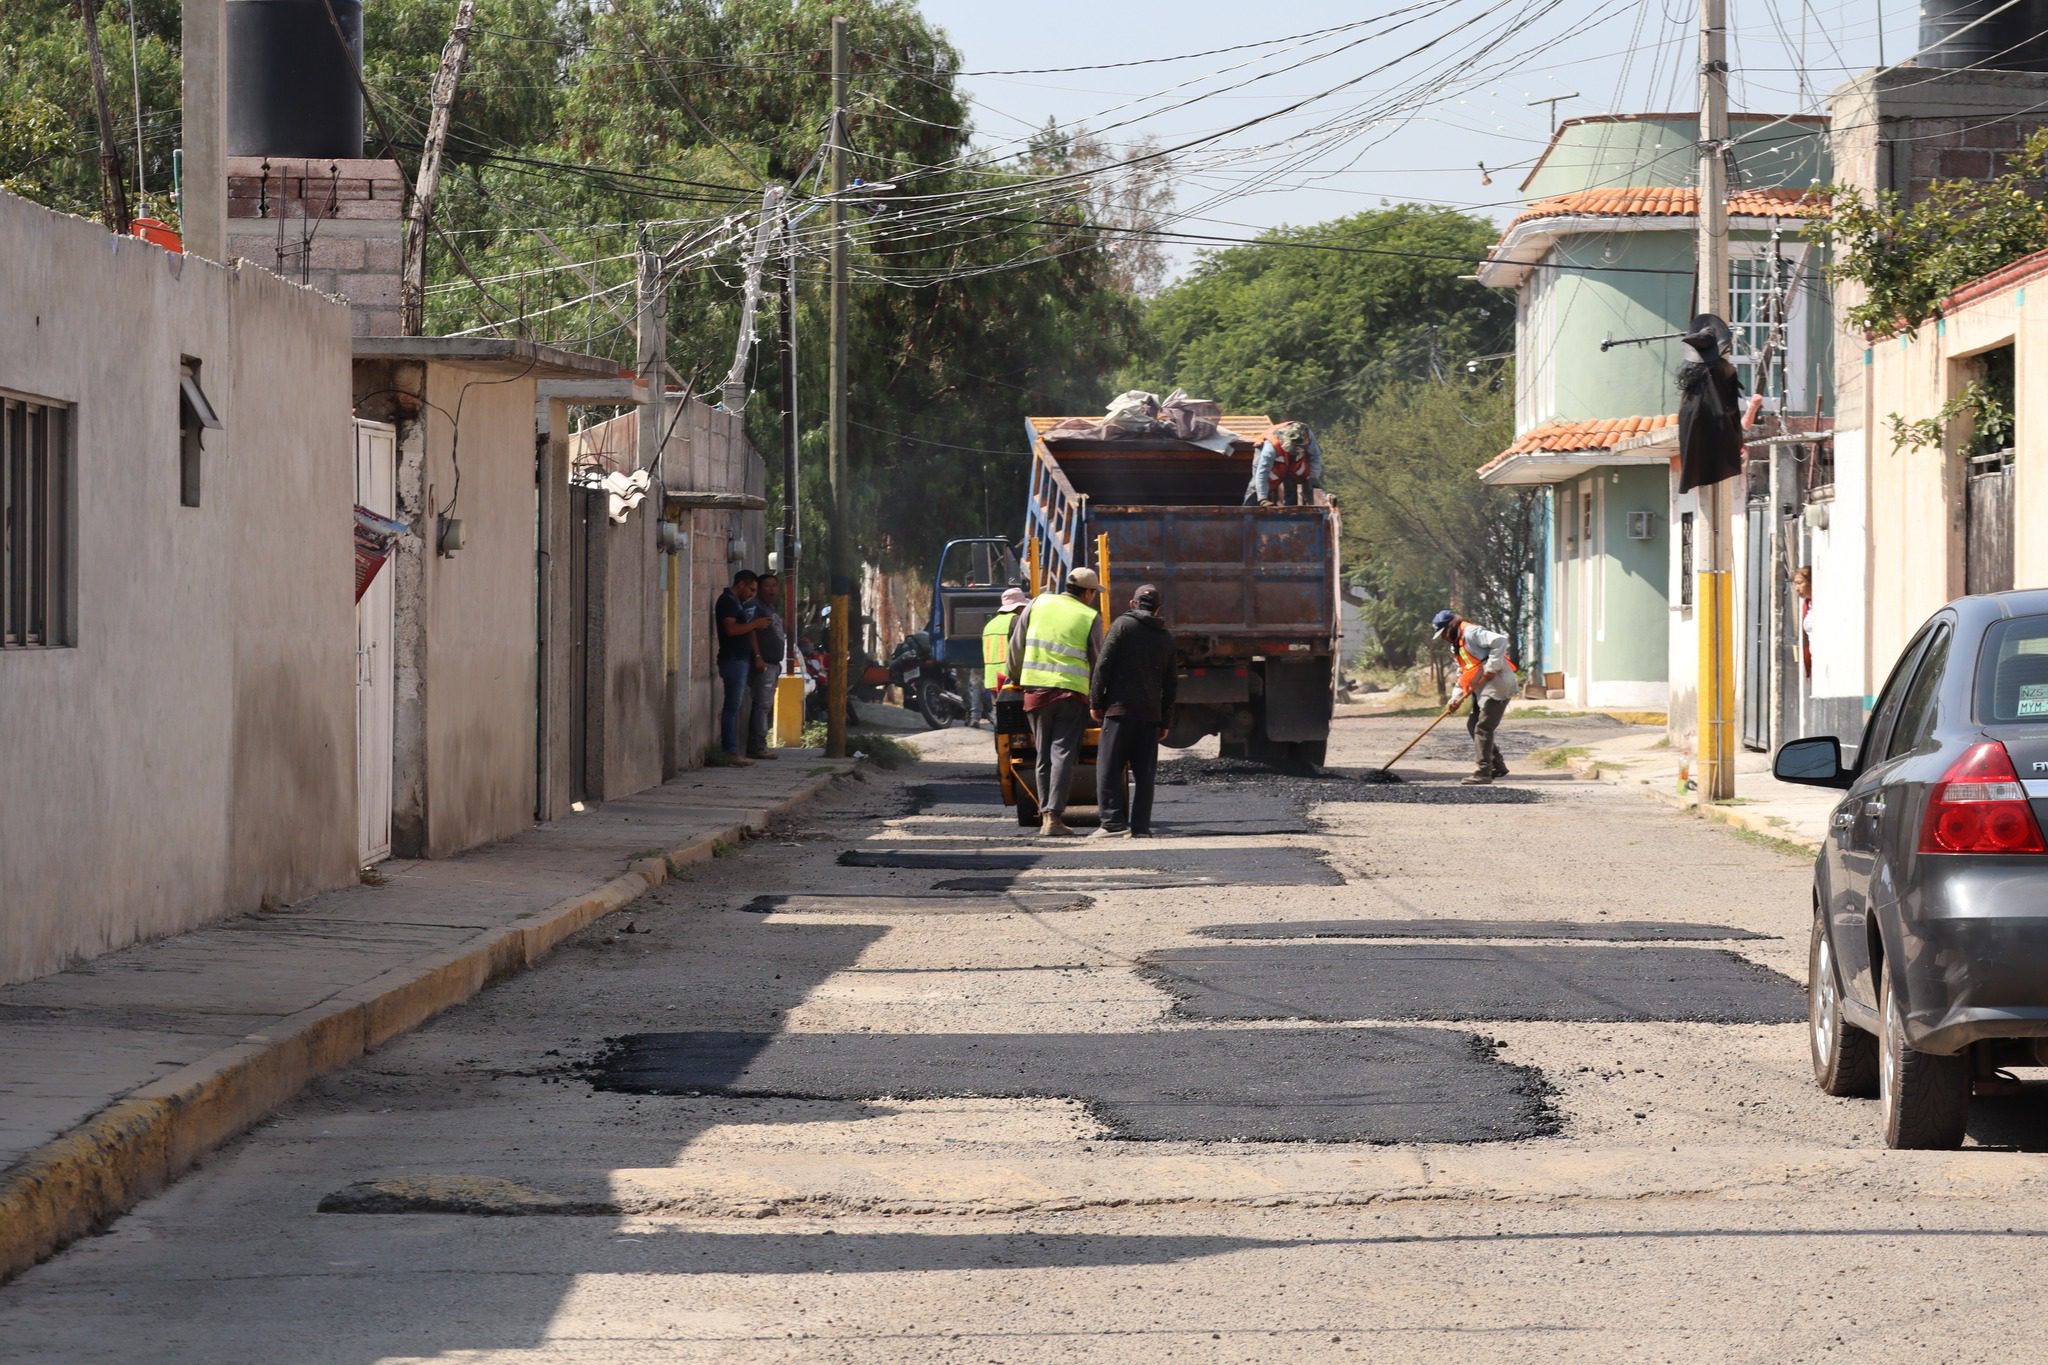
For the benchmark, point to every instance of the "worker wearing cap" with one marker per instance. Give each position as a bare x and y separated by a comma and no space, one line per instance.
1287,467
1132,700
1487,675
995,652
1053,649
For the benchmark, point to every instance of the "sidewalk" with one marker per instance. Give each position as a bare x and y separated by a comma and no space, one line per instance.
1762,805
117,1075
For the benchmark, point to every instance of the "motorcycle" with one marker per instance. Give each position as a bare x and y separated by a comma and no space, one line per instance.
927,686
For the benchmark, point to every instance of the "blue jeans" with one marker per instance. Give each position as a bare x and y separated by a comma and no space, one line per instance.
734,673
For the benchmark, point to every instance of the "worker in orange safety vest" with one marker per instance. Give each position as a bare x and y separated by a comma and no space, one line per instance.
1287,468
1487,676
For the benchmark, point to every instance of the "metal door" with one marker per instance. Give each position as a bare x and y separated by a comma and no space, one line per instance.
1757,598
376,490
1987,534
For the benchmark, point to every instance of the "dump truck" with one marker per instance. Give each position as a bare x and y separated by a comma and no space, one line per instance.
1251,592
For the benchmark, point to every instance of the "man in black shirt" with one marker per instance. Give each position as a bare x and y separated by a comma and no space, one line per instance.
739,623
1131,698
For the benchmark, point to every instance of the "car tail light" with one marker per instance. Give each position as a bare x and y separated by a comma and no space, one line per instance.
1979,806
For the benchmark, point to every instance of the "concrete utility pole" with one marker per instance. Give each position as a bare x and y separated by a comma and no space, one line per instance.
792,559
1713,597
113,194
454,56
203,182
650,334
841,587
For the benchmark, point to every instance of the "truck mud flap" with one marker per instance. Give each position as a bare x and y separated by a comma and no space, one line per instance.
1299,697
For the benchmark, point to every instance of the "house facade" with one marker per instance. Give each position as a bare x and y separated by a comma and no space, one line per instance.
1605,253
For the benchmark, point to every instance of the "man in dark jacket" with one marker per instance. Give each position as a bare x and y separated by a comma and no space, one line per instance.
1132,700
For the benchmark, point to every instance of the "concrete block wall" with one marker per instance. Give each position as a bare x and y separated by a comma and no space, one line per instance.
332,225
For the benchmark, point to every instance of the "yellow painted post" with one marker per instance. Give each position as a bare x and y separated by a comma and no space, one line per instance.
1031,563
789,711
1715,595
1102,572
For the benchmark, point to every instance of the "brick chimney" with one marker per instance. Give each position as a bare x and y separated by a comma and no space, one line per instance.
337,226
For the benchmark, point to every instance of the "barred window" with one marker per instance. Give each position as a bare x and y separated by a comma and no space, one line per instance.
36,563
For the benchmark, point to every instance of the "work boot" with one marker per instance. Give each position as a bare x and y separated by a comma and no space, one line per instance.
1050,826
1500,769
762,753
1112,832
1478,780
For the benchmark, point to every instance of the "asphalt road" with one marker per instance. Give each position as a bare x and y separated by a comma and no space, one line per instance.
960,1097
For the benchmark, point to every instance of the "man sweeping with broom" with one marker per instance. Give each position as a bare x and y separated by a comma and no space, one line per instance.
1487,675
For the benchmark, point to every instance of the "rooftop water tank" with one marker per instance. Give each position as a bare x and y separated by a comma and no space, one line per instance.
2015,40
291,79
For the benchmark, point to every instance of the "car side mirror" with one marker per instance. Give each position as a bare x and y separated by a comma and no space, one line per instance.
1813,762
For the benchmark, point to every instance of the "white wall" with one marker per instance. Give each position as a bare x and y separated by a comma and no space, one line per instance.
193,753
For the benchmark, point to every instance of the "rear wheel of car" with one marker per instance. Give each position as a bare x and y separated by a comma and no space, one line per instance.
1926,1097
1844,1056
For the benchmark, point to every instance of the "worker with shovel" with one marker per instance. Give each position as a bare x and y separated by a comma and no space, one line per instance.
1487,676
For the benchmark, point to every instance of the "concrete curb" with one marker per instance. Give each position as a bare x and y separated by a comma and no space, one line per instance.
1735,817
77,1183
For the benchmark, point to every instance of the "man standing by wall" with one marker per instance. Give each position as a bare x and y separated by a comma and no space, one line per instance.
1486,675
1132,700
770,648
1053,648
738,624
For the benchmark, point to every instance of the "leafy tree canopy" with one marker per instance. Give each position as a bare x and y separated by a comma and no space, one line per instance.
1911,257
1299,332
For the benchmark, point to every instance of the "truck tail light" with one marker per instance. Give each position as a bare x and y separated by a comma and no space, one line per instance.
1979,806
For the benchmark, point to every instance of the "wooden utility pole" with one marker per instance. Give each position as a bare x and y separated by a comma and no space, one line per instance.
454,56
113,195
841,587
1714,596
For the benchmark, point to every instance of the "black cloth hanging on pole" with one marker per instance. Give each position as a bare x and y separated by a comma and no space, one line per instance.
1709,423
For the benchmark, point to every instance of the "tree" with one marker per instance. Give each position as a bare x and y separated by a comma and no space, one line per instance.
1910,257
1311,323
1421,531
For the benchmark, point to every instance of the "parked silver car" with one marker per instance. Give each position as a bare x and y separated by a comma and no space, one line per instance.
1928,969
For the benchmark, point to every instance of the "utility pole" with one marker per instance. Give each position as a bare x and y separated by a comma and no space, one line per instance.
454,56
113,196
1714,596
651,352
789,688
841,586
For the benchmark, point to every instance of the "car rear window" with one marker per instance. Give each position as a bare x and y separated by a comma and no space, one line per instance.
2012,673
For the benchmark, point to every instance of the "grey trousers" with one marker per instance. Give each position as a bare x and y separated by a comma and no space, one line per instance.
1056,732
1481,724
761,691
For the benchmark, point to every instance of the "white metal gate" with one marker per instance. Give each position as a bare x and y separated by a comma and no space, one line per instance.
376,489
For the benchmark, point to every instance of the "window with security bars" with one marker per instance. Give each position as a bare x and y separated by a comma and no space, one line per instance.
35,523
1758,288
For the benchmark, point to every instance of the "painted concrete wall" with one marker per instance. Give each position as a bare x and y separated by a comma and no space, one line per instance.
479,620
1662,149
193,754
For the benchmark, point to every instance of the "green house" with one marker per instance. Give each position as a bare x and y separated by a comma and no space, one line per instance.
1604,251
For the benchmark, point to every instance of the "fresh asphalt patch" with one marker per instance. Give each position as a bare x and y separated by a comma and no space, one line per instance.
1376,1085
1613,931
1302,790
1015,903
1186,866
1187,811
1336,982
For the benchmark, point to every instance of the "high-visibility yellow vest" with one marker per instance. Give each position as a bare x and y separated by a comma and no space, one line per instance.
1056,643
995,640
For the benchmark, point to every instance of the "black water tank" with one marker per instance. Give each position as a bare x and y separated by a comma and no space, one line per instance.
2015,40
291,82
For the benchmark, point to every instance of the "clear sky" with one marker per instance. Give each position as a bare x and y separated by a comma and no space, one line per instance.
1403,105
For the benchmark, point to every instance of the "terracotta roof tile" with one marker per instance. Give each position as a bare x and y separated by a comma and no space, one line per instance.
1672,201
1602,433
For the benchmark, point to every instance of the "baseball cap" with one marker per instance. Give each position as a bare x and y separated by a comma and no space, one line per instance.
1147,597
1083,578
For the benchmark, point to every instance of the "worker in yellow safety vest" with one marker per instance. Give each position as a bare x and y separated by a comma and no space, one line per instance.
1053,648
1487,675
995,652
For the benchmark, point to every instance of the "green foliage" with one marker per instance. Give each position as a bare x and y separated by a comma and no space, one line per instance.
1911,257
49,133
1422,531
1987,400
1315,335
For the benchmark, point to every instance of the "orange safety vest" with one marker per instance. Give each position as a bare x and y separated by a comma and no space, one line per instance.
1289,462
1469,665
